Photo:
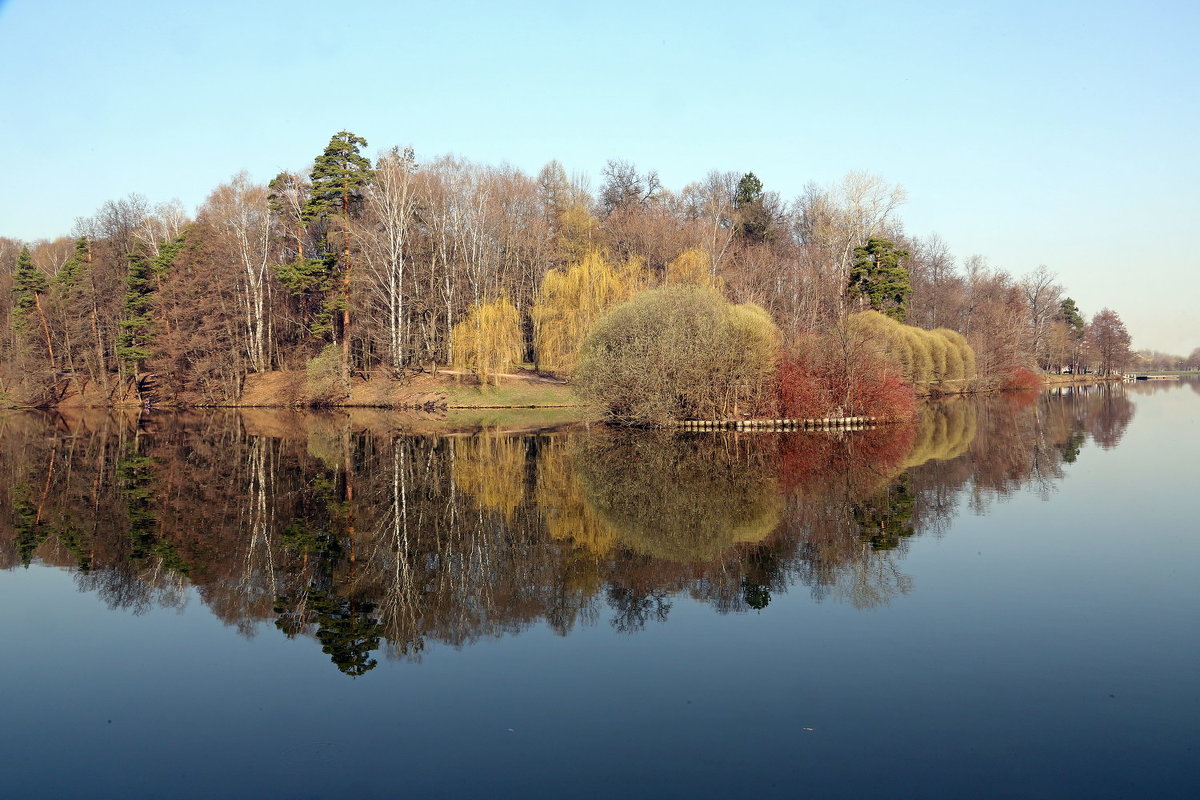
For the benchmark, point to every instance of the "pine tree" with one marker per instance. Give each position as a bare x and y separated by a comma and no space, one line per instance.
29,284
878,275
753,221
338,177
70,275
134,344
1068,314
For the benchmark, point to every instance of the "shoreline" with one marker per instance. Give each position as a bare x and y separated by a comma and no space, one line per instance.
524,393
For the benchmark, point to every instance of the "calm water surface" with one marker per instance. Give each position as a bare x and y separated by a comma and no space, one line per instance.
1001,600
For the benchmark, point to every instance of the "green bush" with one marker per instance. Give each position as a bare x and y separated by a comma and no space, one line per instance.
676,353
323,373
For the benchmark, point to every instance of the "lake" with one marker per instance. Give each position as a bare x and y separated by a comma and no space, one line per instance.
999,600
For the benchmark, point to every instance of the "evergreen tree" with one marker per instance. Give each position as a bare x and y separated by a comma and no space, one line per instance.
348,631
338,177
1068,314
878,275
134,344
28,529
753,221
29,284
310,280
71,273
749,191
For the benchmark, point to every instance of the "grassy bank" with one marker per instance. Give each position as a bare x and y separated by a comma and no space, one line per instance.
1051,379
513,394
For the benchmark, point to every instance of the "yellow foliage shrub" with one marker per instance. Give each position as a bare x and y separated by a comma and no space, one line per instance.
488,341
693,267
569,301
921,356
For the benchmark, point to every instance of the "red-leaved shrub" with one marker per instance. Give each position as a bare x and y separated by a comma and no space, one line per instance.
802,391
1022,378
816,387
884,396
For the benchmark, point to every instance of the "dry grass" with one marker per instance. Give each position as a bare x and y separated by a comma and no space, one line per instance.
421,391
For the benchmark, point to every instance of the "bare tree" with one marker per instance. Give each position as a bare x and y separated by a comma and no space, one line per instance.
1042,297
624,186
1110,342
239,211
391,208
831,222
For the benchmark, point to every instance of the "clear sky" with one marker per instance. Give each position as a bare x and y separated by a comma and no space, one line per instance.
1056,133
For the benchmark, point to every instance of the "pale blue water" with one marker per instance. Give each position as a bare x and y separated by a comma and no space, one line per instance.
1039,641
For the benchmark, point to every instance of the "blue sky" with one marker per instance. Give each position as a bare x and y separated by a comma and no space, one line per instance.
1062,134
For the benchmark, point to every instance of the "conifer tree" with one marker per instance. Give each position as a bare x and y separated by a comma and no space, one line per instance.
753,221
309,279
133,343
70,296
70,274
1068,314
136,340
29,284
878,276
338,177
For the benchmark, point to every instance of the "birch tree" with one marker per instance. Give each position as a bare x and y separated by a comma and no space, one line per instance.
240,211
391,205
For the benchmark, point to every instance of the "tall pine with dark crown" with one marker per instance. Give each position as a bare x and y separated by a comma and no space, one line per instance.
136,340
1068,314
878,276
29,284
338,177
753,220
70,275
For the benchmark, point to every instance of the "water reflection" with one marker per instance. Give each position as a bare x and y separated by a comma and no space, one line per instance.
376,536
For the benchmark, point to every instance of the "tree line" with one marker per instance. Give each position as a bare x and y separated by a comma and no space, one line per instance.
364,268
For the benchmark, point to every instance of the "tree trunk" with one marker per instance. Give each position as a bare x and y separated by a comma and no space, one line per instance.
37,301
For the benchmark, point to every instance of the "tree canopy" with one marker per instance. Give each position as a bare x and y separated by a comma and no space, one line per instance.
878,275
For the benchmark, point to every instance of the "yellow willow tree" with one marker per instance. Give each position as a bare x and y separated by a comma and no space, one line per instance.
694,268
570,300
488,340
960,357
921,356
577,231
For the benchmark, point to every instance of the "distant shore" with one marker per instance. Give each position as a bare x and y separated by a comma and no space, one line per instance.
442,392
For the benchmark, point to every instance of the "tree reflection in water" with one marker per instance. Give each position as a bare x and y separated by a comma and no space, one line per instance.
367,539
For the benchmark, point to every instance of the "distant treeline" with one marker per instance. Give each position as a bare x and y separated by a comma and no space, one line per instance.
356,267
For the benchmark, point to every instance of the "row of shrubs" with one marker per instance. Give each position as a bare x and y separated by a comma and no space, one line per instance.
684,352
